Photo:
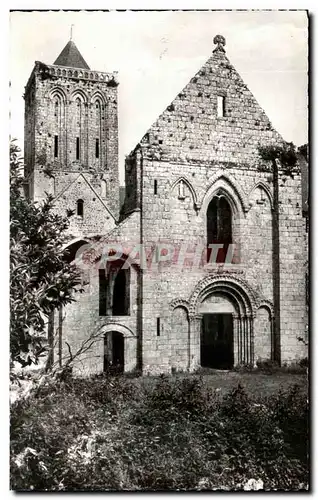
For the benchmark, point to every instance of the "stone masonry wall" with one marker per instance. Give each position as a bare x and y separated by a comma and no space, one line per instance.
177,222
81,318
82,322
42,93
69,187
194,151
293,257
189,141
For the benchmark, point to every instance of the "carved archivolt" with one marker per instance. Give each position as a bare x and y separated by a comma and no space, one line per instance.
112,325
179,303
79,93
58,92
98,96
242,295
267,304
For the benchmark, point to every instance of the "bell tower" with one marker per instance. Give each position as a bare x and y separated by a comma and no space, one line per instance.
71,140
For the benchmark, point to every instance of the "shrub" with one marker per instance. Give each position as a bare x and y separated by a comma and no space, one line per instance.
267,366
166,433
303,362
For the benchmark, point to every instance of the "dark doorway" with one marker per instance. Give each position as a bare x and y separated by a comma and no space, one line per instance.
217,341
121,293
114,352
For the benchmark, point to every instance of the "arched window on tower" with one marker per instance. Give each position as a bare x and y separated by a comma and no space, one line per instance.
80,208
97,124
219,227
78,128
58,109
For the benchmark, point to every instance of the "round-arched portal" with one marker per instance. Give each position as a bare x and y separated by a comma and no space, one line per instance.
114,352
119,347
224,311
217,340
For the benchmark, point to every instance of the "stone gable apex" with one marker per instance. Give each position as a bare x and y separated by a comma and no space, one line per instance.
71,183
190,128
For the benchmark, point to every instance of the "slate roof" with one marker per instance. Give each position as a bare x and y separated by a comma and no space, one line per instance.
71,57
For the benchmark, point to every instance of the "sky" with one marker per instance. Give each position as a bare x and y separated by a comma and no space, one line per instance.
157,53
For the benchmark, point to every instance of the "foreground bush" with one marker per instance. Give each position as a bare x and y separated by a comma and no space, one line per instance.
122,434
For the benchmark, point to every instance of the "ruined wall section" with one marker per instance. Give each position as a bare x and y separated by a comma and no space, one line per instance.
293,267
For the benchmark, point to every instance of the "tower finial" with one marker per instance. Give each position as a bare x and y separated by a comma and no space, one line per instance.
219,41
71,35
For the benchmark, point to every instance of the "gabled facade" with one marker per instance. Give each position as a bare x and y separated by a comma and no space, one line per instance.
195,179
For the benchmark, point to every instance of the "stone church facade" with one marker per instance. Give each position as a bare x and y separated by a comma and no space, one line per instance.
156,298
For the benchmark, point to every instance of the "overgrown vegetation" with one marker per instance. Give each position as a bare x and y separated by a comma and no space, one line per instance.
285,153
41,280
166,433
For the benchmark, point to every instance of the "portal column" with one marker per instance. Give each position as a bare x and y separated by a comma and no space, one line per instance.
240,339
245,339
194,340
251,323
236,339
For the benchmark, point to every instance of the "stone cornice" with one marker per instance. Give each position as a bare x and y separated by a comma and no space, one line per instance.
205,163
257,165
50,70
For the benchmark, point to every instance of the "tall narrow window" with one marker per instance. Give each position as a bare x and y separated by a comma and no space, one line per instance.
181,194
96,129
212,221
219,226
155,186
121,294
80,208
77,148
103,188
56,146
221,106
158,327
58,131
102,292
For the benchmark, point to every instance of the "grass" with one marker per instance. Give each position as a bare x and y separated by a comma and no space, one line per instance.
183,432
257,384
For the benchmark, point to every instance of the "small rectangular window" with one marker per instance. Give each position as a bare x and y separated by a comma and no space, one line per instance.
221,106
80,208
56,146
158,327
102,292
155,186
77,148
97,148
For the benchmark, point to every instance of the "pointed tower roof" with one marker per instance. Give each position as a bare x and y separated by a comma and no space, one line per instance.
71,57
